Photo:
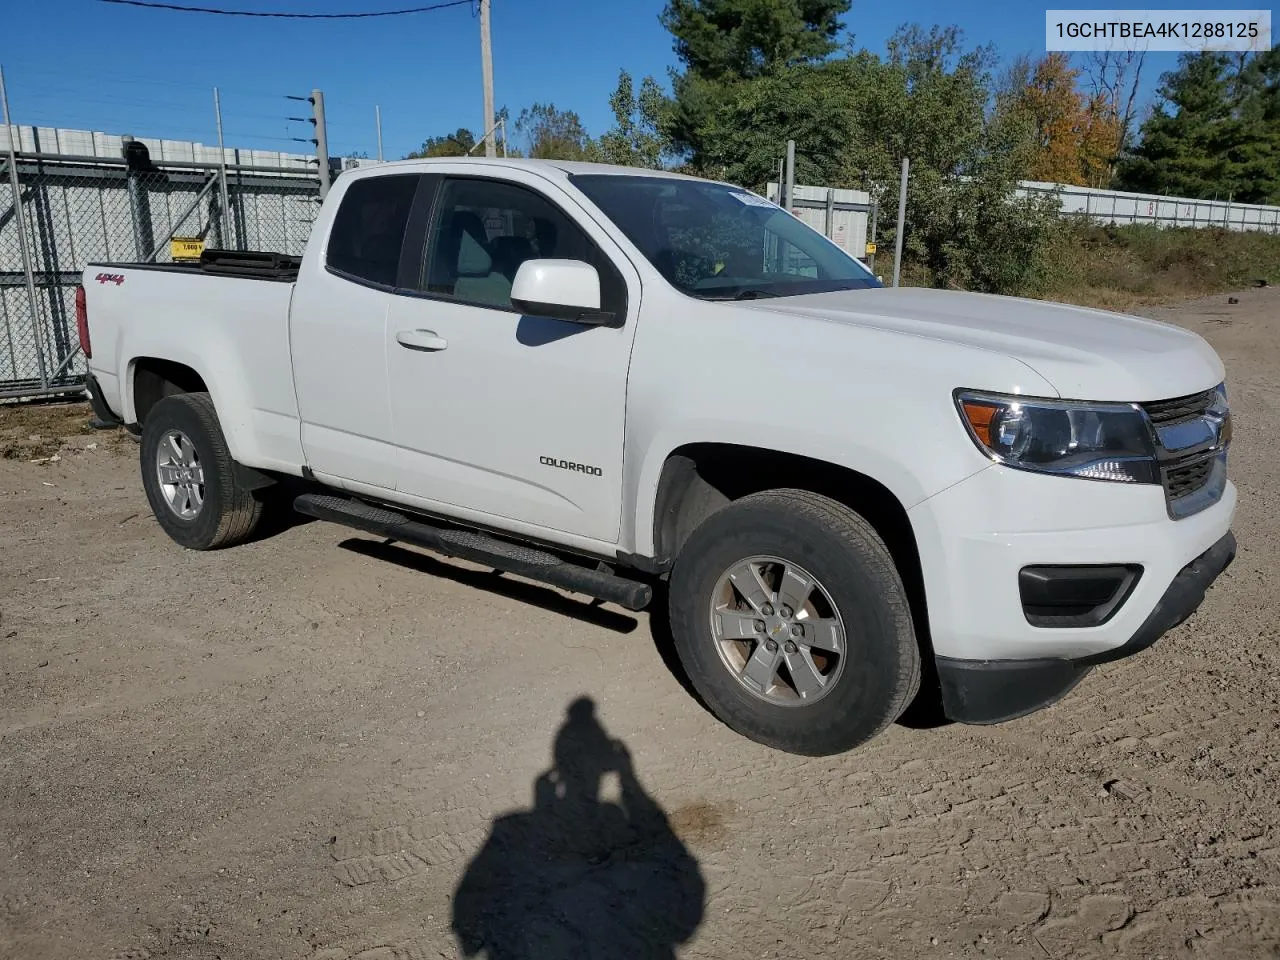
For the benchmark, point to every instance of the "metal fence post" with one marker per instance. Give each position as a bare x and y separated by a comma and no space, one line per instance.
791,176
139,203
902,221
20,224
875,209
831,212
224,227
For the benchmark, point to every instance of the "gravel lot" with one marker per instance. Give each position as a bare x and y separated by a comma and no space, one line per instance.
297,749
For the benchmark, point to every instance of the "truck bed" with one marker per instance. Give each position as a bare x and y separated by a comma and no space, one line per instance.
242,264
226,317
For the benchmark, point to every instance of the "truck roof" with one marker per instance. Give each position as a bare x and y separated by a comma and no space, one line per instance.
557,168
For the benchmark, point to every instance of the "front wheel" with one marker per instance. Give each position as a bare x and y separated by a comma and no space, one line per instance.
190,477
793,624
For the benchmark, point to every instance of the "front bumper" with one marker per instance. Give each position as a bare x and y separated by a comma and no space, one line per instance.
976,537
991,691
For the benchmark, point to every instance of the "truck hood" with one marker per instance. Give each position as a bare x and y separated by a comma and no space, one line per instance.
1086,354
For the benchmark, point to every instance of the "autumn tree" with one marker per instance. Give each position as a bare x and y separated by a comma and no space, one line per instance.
1101,137
1116,77
1074,138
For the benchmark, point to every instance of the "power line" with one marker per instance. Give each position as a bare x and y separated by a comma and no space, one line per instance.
28,70
287,16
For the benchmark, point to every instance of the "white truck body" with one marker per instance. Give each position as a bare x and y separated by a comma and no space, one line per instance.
544,430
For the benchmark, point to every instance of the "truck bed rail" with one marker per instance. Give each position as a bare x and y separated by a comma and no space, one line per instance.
242,264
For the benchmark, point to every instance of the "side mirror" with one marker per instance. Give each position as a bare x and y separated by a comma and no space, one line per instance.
560,289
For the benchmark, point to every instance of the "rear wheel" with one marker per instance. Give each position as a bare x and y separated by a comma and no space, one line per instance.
190,477
792,622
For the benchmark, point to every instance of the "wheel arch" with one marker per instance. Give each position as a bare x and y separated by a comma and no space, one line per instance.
698,478
150,377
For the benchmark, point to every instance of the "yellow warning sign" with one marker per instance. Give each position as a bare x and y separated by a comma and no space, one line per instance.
185,248
871,247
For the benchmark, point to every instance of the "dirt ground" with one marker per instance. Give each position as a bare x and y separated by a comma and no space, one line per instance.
298,749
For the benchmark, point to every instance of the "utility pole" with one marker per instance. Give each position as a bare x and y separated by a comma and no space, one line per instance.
224,231
322,140
486,66
377,119
902,221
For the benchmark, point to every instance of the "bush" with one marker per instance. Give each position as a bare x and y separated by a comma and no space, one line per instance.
975,235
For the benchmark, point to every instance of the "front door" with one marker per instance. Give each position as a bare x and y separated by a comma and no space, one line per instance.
338,333
505,415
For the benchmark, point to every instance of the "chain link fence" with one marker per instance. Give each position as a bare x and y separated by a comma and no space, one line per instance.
59,213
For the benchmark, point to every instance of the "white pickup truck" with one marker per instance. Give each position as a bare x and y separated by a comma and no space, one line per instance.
621,381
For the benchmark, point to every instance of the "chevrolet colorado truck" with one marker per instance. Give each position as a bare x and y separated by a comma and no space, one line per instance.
628,384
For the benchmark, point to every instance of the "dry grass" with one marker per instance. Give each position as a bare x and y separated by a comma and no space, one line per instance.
1120,268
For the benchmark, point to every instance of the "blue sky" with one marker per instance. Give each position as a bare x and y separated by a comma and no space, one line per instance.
90,65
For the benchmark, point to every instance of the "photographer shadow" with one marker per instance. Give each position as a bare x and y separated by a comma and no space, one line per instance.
579,876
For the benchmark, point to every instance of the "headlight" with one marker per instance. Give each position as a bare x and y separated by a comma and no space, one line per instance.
1098,441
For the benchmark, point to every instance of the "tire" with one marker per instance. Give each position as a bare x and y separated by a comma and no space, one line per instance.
856,588
227,513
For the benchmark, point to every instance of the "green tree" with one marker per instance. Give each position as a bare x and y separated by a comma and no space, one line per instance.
455,144
722,43
855,117
1257,156
554,134
636,138
738,39
1216,132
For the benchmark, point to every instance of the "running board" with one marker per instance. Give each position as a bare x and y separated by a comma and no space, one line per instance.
524,561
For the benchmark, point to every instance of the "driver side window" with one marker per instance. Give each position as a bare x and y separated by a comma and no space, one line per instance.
483,230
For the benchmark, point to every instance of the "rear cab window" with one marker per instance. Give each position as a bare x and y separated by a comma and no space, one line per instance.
367,238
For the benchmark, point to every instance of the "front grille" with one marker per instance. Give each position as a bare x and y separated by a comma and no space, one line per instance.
1180,481
1164,413
1191,476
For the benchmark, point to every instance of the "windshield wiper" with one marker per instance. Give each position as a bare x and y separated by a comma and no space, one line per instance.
749,294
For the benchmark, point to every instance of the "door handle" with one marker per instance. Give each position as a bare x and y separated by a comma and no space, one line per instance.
421,340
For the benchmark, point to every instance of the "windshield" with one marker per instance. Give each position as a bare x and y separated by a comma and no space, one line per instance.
718,242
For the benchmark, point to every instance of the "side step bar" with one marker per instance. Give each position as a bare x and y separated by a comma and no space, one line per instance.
514,558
